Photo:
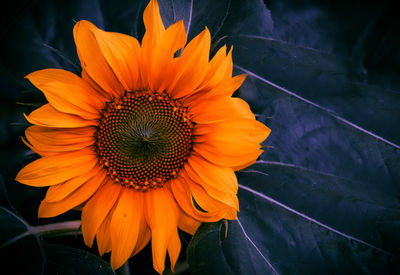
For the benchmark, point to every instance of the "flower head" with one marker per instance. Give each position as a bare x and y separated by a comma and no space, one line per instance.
142,138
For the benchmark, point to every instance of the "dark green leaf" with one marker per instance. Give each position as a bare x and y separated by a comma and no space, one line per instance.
320,222
20,251
321,81
3,193
23,251
208,236
23,256
211,252
66,260
12,227
324,195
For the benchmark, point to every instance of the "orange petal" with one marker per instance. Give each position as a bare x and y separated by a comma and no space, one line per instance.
187,223
47,116
217,109
92,60
161,61
227,158
154,30
46,139
153,22
231,214
68,93
246,132
237,168
41,153
122,53
227,196
103,235
60,191
143,239
227,87
86,77
162,215
206,202
191,66
126,223
230,143
174,248
97,208
80,195
218,177
56,169
183,196
242,108
224,89
219,70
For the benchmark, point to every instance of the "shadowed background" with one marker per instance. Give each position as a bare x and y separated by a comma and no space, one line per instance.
323,75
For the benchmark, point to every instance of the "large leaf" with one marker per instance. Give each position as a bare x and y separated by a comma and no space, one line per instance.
67,260
324,195
298,221
228,250
24,251
18,245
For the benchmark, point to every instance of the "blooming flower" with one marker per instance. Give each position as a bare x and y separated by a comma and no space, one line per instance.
144,142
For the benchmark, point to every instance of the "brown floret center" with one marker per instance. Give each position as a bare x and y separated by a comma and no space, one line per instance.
143,139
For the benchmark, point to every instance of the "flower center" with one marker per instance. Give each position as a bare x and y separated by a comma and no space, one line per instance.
143,139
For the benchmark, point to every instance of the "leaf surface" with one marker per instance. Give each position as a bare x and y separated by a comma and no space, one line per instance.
324,195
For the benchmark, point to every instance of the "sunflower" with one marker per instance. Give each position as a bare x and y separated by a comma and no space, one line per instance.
146,141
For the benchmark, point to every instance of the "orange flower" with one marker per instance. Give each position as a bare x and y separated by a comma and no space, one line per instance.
142,138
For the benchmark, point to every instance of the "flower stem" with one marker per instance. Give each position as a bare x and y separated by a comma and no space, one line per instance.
124,270
57,229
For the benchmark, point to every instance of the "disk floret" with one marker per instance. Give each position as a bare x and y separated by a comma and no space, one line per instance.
144,139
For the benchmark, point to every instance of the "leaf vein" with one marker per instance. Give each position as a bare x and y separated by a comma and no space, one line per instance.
251,36
258,250
14,239
271,200
223,20
330,112
190,18
289,165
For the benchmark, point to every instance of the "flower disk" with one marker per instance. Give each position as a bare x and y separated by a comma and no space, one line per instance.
143,139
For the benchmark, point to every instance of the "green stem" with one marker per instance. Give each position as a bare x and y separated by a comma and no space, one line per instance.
180,268
123,270
57,229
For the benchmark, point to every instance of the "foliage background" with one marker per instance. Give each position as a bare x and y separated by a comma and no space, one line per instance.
323,75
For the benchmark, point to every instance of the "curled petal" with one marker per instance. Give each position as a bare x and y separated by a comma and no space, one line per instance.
192,66
122,53
93,61
162,215
55,140
185,199
56,169
187,223
161,63
68,93
230,143
61,191
97,208
47,116
79,196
